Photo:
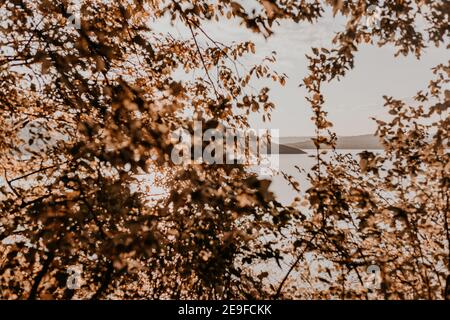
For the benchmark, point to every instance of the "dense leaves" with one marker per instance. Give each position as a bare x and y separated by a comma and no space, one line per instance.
87,110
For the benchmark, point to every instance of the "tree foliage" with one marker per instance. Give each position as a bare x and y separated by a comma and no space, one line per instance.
85,111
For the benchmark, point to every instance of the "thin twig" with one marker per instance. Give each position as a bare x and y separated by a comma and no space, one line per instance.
202,59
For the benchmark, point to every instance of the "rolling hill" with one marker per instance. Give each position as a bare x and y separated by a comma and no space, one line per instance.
366,141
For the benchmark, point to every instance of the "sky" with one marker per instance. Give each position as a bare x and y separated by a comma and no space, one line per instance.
353,100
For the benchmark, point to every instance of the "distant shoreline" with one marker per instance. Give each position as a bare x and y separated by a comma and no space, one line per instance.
366,141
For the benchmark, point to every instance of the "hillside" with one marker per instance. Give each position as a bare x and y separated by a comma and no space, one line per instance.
288,149
366,141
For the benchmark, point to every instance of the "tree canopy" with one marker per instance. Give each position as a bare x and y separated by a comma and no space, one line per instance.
86,109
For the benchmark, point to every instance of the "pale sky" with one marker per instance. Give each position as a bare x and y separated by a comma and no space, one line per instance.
350,102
